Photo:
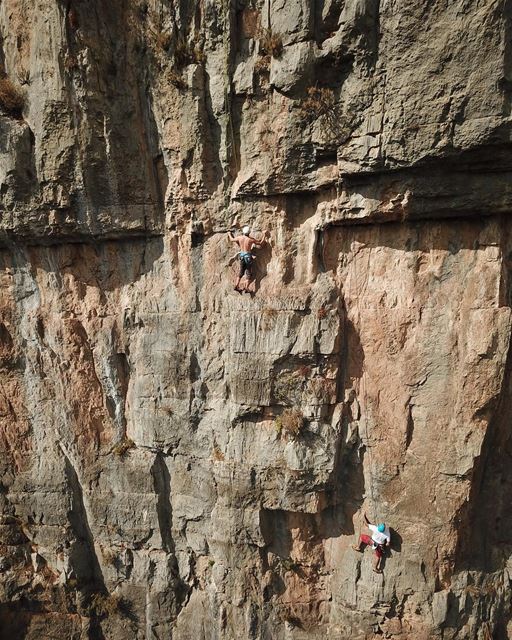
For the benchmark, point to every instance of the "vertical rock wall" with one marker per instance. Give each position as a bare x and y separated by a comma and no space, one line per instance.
181,461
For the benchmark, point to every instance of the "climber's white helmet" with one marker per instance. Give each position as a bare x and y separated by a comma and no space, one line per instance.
246,230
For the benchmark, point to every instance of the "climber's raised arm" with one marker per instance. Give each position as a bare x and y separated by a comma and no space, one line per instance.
231,235
262,240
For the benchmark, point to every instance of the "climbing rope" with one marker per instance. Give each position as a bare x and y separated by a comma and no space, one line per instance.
363,383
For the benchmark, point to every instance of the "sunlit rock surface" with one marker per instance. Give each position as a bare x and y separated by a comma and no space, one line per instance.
151,483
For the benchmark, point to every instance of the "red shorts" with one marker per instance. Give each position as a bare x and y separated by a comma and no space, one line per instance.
364,539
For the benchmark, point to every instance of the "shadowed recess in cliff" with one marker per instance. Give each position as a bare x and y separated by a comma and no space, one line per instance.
162,484
464,184
83,558
408,237
106,265
295,556
27,621
485,521
506,81
282,529
210,156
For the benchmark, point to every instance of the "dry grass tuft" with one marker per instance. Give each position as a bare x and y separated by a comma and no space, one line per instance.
291,421
271,44
176,79
262,65
268,319
217,454
122,447
163,40
105,604
320,101
289,565
70,62
323,388
186,53
23,76
303,371
12,99
109,556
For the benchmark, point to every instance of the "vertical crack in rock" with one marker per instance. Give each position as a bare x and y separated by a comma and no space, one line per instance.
83,558
368,371
116,380
410,426
162,484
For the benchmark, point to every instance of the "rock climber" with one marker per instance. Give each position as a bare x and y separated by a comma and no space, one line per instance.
246,243
379,541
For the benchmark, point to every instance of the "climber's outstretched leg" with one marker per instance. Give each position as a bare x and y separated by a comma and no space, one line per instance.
364,541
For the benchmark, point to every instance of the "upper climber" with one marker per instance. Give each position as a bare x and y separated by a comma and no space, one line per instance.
246,243
380,541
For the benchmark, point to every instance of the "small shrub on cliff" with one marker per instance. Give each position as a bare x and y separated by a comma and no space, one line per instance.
186,53
217,454
122,447
268,319
163,40
109,556
176,79
70,63
262,65
288,564
303,371
320,101
12,99
323,388
271,44
291,421
104,605
23,75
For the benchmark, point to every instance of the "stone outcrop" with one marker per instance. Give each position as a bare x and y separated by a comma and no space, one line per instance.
181,461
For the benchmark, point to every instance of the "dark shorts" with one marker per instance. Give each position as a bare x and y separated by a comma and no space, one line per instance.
245,266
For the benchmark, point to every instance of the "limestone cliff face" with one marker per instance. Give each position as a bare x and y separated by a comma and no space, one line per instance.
151,483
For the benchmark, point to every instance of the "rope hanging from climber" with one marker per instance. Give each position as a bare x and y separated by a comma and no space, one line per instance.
380,538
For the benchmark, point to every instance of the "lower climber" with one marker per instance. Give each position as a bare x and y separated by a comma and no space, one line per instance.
246,243
379,541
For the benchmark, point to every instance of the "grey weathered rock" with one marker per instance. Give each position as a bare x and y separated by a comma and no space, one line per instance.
178,460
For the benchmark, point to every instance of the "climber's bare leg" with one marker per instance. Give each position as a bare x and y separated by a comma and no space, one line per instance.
241,274
249,279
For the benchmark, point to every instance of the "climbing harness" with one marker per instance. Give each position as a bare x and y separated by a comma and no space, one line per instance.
246,257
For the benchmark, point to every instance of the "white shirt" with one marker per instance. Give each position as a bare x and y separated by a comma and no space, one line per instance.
377,536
